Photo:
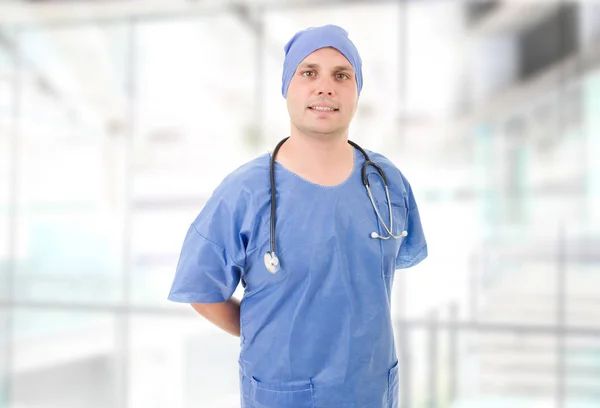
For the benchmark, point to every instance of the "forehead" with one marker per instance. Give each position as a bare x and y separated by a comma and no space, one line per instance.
326,58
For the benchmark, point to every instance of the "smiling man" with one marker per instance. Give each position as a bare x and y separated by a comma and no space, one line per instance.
315,232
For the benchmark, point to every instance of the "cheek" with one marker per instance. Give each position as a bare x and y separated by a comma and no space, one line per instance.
293,104
350,98
351,106
297,107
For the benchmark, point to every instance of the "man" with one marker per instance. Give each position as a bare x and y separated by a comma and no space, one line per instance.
315,319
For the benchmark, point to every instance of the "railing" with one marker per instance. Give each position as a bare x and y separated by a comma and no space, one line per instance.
433,327
560,254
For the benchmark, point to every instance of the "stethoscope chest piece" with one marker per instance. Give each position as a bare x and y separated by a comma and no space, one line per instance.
271,262
403,234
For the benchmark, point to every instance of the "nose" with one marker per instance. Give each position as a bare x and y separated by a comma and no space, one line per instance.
325,87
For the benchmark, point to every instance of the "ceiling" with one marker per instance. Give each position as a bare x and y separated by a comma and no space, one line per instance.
19,12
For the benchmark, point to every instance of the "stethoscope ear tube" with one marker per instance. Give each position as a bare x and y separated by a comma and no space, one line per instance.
366,164
365,177
271,259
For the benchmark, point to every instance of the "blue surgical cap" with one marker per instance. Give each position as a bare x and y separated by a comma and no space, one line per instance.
305,42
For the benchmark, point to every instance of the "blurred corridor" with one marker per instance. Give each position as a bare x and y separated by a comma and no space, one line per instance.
118,119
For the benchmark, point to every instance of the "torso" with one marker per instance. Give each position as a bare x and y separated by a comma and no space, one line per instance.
326,314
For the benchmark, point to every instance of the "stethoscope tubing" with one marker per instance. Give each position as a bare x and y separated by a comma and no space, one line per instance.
271,260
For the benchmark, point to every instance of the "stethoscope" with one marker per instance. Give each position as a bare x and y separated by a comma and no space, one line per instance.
271,259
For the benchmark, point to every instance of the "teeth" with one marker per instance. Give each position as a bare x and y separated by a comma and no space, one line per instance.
322,108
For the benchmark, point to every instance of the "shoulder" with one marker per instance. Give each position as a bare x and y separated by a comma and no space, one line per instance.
249,178
237,191
397,182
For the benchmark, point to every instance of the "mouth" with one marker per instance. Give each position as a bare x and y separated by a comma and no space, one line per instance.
323,109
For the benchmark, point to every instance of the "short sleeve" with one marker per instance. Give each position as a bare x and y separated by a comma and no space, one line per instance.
414,247
212,257
205,272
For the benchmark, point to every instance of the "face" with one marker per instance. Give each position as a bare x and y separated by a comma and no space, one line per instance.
322,96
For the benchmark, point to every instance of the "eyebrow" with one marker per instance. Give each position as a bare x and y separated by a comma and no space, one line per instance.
336,68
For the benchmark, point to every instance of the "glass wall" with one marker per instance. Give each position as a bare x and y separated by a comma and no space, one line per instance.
7,71
64,358
511,212
192,105
6,122
69,202
66,243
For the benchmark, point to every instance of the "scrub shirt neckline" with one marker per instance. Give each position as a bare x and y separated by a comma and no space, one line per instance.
343,183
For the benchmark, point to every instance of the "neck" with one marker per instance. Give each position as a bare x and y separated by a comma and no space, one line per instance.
319,151
325,160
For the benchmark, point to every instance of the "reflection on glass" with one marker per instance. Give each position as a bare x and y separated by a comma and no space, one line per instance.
194,101
70,255
500,369
70,202
6,105
182,362
63,359
155,255
194,82
6,121
4,356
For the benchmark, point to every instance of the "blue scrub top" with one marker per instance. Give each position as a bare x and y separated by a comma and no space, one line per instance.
317,334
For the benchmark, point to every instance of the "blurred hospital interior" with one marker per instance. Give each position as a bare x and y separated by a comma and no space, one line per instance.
118,119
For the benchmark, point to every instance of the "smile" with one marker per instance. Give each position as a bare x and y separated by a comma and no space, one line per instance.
323,109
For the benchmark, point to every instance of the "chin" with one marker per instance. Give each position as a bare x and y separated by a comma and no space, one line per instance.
326,133
324,130
323,127
320,129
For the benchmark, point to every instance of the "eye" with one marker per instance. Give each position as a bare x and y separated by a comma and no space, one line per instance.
342,76
308,73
